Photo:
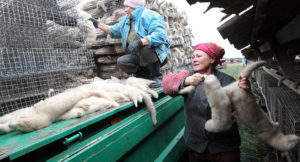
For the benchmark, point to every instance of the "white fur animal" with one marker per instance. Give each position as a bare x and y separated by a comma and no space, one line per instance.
136,89
221,108
6,119
136,93
252,115
99,95
220,102
142,84
246,108
49,110
86,106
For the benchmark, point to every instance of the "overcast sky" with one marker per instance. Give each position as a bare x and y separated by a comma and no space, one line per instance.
204,26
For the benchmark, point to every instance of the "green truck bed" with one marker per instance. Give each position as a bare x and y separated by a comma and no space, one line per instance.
125,134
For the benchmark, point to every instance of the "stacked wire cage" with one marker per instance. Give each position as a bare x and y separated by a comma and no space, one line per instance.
42,52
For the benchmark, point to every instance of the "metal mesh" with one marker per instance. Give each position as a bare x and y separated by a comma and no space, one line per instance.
41,50
18,62
280,100
293,118
25,91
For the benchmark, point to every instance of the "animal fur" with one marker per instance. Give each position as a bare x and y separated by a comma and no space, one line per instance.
252,115
220,105
86,106
136,89
99,95
246,108
49,110
142,84
86,26
6,119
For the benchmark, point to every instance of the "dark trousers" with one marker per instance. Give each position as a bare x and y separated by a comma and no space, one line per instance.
232,156
130,63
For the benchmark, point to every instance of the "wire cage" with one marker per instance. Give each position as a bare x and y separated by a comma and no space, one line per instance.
41,51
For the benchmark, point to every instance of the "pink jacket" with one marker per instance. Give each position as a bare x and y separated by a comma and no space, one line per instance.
171,82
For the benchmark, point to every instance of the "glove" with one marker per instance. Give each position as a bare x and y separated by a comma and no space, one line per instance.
95,22
134,46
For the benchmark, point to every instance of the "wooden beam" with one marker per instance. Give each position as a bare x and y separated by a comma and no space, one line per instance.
286,82
289,32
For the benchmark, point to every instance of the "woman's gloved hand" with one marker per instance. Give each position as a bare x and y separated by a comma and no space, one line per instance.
95,22
134,46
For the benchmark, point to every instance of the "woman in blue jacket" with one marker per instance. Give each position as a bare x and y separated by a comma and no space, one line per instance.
144,36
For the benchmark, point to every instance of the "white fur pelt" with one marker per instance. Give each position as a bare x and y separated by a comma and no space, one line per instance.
136,89
6,119
252,115
87,106
219,100
221,108
99,95
85,25
246,108
49,110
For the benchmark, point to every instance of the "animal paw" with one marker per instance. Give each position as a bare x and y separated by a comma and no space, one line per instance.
210,80
30,123
4,128
210,126
292,141
73,113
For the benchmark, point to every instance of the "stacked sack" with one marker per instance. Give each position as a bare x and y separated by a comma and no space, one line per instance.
107,50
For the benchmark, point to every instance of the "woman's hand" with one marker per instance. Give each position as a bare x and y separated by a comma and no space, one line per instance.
244,83
194,79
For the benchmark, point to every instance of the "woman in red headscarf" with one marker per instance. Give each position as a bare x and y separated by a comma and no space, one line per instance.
203,145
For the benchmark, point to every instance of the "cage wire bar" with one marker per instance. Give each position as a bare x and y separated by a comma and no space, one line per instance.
41,50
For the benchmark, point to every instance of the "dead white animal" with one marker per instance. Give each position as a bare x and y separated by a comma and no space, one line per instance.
246,108
221,108
219,101
136,89
87,106
5,120
49,110
138,95
142,84
252,115
77,102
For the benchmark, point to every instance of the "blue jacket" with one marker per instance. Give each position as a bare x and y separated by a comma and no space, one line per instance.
147,24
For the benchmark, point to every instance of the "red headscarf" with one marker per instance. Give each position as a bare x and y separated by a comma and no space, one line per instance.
212,49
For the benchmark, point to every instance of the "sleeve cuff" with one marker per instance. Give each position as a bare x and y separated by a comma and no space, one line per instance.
148,38
181,86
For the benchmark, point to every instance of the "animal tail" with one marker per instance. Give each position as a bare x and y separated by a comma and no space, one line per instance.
250,68
150,106
283,142
101,93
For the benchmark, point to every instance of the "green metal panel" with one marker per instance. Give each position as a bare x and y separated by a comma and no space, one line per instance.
93,138
16,144
111,144
162,139
174,150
